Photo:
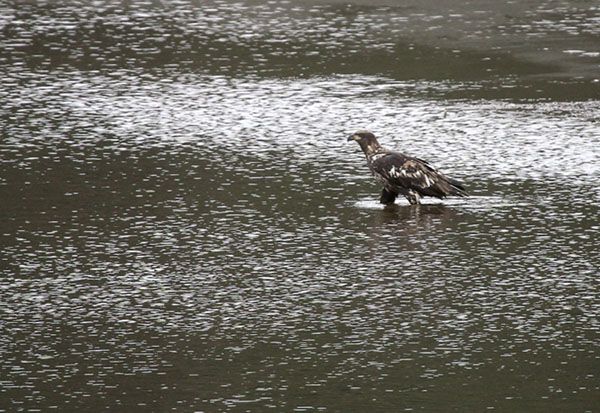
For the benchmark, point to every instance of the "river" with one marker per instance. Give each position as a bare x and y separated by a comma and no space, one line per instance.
184,226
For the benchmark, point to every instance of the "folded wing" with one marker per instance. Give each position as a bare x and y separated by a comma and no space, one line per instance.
412,173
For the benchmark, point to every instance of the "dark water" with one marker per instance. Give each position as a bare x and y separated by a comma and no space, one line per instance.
184,226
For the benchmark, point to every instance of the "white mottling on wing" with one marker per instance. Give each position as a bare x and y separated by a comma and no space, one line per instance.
428,182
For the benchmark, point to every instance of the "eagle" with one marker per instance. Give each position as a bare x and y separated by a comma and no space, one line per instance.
404,175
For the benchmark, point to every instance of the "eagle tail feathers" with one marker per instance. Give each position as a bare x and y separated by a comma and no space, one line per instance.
456,188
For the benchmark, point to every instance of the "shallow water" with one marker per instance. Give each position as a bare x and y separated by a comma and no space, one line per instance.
185,227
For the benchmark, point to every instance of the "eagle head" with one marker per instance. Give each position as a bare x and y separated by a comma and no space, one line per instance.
366,140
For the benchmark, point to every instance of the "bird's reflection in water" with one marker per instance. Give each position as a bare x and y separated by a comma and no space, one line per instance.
406,224
418,216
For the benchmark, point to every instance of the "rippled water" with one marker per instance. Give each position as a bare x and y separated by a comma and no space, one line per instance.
185,227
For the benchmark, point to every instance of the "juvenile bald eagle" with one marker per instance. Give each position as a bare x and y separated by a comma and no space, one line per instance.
404,175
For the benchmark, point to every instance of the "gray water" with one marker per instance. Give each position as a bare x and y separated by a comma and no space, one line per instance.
184,226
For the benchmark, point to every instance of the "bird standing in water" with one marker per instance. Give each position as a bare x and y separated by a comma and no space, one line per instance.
404,175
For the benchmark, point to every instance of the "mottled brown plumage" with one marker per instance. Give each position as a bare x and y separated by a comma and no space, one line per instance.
404,175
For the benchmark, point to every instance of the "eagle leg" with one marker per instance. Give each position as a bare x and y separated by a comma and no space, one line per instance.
413,197
387,197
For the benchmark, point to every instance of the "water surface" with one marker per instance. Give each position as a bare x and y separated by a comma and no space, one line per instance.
185,227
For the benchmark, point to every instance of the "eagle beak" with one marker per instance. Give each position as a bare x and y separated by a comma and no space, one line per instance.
353,138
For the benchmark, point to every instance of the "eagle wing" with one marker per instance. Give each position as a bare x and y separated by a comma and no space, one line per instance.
407,172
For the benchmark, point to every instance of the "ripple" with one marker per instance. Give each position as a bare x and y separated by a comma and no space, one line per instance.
185,226
472,202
